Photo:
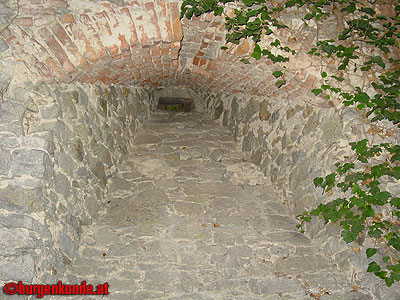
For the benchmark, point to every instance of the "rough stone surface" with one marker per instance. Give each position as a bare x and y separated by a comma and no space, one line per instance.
53,181
77,79
163,236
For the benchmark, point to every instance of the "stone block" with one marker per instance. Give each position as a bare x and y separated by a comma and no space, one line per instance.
21,199
24,221
97,168
66,245
20,268
3,45
219,109
10,111
301,264
77,149
62,185
67,106
51,112
66,163
16,241
4,78
36,163
5,161
103,154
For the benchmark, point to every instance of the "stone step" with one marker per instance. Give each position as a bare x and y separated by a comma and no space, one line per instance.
188,217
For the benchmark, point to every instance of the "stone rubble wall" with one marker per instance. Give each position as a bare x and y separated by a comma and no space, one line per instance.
294,140
58,146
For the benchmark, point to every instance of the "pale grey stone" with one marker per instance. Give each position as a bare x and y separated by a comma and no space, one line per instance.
20,268
77,149
3,45
302,264
62,185
51,112
36,163
67,245
17,241
83,98
219,110
249,142
103,154
118,184
331,129
10,111
67,106
312,124
5,161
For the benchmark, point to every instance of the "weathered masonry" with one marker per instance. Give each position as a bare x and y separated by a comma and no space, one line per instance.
77,80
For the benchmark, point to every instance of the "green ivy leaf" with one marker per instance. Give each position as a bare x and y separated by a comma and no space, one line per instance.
280,83
318,181
362,97
349,236
377,233
309,16
256,52
290,3
316,92
389,281
323,74
277,74
218,11
395,202
373,267
368,10
371,252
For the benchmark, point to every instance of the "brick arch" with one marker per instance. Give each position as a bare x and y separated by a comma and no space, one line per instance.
140,43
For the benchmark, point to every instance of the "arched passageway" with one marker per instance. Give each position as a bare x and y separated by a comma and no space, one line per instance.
188,214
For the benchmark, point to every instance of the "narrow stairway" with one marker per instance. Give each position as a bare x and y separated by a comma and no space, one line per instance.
188,217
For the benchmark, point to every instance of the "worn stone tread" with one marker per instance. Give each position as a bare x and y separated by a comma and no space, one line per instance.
189,217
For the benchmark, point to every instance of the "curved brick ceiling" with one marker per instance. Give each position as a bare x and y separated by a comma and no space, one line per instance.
140,42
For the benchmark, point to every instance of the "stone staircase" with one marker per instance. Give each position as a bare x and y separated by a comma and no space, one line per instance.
188,217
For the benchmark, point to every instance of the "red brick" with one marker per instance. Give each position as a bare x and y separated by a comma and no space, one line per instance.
54,67
58,3
67,18
176,23
243,48
164,51
144,39
56,49
24,21
154,19
8,36
102,23
37,11
61,34
43,70
70,45
114,49
124,43
196,61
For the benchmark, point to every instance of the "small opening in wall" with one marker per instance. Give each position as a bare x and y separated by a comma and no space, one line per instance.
175,104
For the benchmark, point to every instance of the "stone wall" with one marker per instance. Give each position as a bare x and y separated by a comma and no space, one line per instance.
58,147
294,140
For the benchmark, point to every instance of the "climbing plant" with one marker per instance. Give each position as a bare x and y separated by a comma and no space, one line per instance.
365,208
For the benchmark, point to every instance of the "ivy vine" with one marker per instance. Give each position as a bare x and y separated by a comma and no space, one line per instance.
364,208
